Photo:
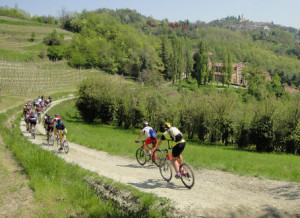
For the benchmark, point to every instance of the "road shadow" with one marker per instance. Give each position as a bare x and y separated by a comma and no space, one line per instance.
288,192
138,166
156,183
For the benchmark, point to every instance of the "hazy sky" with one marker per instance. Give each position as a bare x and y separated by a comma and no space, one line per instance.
284,12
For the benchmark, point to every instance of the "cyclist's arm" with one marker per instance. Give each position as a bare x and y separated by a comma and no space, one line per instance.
140,136
160,141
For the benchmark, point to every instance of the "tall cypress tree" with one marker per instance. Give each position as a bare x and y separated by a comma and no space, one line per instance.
200,64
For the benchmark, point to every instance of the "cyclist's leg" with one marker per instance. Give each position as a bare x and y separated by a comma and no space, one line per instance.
147,143
177,157
61,138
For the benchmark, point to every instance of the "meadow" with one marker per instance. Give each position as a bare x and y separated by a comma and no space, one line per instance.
119,141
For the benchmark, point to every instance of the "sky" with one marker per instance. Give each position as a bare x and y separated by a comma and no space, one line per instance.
284,12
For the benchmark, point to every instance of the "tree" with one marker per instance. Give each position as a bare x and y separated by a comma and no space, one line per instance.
32,36
188,56
165,55
276,84
200,64
229,68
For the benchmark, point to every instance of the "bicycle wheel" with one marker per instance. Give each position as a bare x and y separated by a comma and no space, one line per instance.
141,156
51,140
66,146
157,156
187,175
165,170
58,144
33,133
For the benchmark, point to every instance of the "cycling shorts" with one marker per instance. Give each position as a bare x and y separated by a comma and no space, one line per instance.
50,128
149,141
32,122
177,149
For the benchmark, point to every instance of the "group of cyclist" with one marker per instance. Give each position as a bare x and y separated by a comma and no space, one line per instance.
34,107
172,135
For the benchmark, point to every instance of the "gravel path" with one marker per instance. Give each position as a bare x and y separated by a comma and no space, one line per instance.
215,193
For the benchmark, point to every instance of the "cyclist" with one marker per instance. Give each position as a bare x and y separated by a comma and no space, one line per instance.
27,115
49,123
61,128
173,135
45,120
151,137
32,120
25,109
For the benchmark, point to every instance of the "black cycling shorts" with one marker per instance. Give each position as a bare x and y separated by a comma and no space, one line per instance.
33,122
50,128
177,149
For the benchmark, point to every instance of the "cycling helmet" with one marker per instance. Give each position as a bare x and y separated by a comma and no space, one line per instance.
56,115
166,125
145,123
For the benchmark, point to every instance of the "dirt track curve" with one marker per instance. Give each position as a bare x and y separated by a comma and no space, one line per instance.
215,194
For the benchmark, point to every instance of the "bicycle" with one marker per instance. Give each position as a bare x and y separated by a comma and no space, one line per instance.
32,131
39,116
50,138
142,154
186,173
65,143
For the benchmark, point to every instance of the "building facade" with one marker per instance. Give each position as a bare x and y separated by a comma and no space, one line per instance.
236,79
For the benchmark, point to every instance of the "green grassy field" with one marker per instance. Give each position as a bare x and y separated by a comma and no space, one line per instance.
121,142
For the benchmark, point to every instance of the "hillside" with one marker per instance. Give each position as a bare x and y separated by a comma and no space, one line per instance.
274,50
24,65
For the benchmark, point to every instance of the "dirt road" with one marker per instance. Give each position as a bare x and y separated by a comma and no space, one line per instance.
215,194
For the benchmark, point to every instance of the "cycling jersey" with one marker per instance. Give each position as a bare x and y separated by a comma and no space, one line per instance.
32,119
173,135
149,139
60,126
57,119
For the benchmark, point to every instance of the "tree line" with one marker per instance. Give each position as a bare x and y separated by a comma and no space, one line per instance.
222,117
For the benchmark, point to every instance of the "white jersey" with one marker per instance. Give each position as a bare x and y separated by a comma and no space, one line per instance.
146,131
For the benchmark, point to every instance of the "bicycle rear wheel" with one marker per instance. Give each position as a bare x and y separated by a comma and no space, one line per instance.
66,146
141,156
187,175
165,170
157,157
33,133
51,140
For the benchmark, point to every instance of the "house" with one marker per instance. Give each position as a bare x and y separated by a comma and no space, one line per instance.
237,77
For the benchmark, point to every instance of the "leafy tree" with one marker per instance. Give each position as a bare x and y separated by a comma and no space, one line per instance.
55,52
200,64
32,38
54,38
188,57
276,84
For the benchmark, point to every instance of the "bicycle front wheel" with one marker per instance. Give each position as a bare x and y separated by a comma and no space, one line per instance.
66,146
165,170
157,157
141,156
187,175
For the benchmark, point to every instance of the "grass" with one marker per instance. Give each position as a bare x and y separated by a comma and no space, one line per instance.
121,142
60,189
11,101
